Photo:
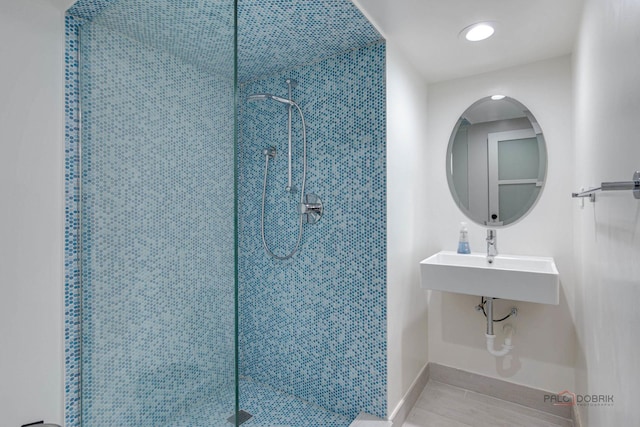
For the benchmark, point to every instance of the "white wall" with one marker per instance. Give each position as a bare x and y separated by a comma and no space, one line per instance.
31,218
406,203
545,339
607,110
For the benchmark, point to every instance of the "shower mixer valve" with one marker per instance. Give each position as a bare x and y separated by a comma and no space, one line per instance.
311,208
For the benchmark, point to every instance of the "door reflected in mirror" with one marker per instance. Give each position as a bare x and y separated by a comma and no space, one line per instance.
496,162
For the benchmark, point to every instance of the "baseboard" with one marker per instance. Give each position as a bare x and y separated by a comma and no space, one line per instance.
575,417
515,393
368,420
404,407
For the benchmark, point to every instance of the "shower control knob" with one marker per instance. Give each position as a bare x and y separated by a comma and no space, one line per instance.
311,208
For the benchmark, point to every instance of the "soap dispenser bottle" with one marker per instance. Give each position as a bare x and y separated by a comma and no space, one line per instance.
463,243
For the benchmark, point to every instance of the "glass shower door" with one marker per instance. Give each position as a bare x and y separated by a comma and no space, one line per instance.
158,216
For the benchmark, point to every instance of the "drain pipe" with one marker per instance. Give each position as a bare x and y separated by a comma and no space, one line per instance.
508,329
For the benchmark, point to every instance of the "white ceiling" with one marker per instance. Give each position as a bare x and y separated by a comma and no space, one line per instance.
427,32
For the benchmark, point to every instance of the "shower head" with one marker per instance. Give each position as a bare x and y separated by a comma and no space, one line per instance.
282,100
258,97
263,96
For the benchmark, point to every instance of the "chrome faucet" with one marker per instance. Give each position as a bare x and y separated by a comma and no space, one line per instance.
492,245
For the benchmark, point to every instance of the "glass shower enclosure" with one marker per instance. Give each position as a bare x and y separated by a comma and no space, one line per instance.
157,212
175,315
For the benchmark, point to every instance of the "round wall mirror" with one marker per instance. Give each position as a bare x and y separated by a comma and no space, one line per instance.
496,161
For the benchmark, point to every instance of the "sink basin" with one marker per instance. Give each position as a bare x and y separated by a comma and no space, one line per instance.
513,277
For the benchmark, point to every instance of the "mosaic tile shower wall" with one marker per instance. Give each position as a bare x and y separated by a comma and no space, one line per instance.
315,325
273,35
72,225
277,35
158,234
158,212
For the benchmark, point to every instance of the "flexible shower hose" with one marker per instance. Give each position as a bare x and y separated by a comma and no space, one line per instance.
304,180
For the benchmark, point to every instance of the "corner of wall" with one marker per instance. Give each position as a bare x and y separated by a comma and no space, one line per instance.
406,201
606,102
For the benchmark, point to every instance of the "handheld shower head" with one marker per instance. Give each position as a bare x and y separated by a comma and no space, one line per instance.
263,96
258,97
282,100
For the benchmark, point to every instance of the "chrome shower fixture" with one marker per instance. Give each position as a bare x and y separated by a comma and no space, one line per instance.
265,96
270,152
310,206
259,97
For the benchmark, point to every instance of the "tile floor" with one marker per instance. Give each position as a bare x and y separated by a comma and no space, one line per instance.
269,407
442,405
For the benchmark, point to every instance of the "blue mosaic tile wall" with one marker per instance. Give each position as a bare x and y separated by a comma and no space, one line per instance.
199,33
89,9
278,35
273,35
158,119
315,326
158,284
72,226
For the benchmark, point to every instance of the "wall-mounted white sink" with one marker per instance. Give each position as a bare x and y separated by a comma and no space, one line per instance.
513,277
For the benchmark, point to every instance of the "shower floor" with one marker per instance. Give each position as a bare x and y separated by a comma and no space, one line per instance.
269,407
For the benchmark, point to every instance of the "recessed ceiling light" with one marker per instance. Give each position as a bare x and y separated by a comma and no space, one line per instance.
497,97
479,31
